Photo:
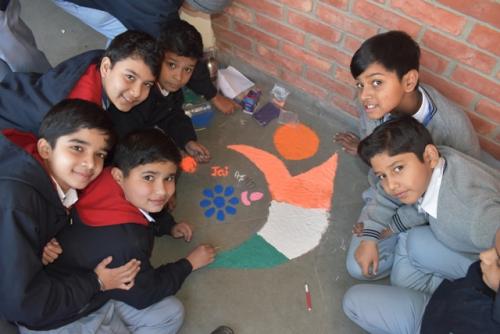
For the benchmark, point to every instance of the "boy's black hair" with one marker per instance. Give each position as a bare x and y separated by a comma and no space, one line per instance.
395,50
135,44
143,147
72,115
181,38
397,136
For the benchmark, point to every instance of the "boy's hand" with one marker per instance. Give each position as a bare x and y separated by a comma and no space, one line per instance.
386,233
357,229
367,257
224,104
197,151
349,142
201,256
182,230
51,252
117,278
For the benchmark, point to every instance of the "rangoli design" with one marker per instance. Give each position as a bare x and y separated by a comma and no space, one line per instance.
298,213
219,201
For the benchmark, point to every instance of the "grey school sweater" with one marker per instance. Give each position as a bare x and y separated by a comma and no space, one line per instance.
468,212
449,126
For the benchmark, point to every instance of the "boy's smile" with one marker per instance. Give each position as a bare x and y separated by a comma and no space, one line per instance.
77,159
175,71
403,175
148,187
382,92
127,82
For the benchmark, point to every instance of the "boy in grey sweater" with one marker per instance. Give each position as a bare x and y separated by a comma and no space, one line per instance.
457,195
386,71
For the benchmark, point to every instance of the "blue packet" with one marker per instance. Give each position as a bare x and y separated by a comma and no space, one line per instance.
266,114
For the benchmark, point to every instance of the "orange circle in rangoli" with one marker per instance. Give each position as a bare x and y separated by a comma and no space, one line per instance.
296,142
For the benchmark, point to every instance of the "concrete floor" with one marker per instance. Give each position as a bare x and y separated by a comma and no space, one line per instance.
250,301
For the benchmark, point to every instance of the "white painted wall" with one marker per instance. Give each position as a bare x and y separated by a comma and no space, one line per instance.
203,23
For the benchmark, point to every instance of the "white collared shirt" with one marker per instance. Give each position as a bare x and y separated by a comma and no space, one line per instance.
421,114
67,199
147,215
163,92
429,202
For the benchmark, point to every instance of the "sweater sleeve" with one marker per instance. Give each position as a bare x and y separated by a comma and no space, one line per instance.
486,223
382,211
153,285
496,309
451,126
25,98
200,81
30,295
465,305
176,123
363,126
164,221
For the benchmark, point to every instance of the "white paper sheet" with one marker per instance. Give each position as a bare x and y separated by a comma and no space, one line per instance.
232,82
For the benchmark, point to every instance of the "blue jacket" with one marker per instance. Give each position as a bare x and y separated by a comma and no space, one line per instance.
31,214
466,305
25,98
149,16
164,112
114,227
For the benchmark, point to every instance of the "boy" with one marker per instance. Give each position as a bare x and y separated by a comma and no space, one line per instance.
466,305
181,46
458,195
113,217
118,78
39,180
386,70
111,18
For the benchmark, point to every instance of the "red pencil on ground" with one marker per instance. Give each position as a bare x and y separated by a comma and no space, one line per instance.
308,297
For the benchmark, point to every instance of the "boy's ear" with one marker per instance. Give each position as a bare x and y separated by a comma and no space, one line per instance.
105,66
431,155
410,80
44,149
117,175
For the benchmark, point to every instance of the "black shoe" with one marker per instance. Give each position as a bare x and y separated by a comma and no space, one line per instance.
223,330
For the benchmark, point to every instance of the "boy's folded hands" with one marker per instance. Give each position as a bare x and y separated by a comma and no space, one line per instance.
349,142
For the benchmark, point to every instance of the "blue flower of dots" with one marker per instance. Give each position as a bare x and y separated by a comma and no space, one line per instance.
219,201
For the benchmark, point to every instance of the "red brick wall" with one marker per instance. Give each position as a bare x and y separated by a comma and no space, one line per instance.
309,43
